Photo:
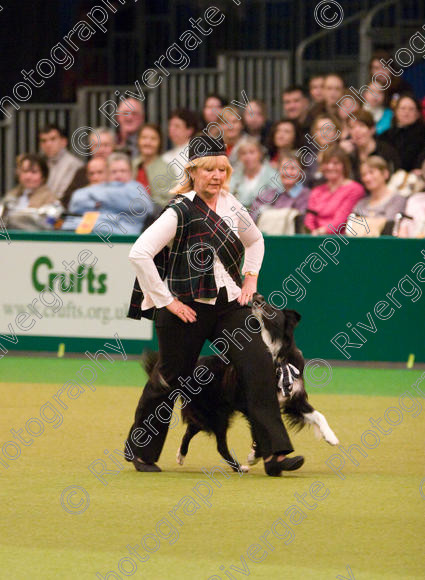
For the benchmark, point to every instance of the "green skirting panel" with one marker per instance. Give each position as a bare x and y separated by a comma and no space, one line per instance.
365,295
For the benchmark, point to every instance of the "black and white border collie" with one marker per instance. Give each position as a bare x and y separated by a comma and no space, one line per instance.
212,409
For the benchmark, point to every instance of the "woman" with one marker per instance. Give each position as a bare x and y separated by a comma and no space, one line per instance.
377,105
293,194
326,131
149,167
382,201
213,107
252,174
396,84
364,144
285,138
32,191
255,121
203,297
408,132
331,203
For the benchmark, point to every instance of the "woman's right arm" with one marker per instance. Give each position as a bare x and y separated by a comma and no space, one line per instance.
149,243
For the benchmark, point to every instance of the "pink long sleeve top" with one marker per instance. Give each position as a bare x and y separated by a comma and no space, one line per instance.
332,207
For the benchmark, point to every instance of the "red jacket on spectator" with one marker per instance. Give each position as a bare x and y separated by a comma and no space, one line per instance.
332,207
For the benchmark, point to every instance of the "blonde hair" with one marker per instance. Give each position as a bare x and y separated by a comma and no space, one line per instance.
208,162
376,162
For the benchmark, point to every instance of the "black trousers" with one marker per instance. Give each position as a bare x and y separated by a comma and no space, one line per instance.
180,344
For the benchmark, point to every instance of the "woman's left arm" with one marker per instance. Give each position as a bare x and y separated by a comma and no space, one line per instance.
253,240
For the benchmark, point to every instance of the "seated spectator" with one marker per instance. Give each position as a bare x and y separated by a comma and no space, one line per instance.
150,166
97,170
364,145
130,117
252,173
408,132
116,198
233,136
102,144
285,138
344,118
325,131
330,204
315,88
293,193
413,220
333,91
213,107
182,124
255,120
61,163
296,106
381,201
397,84
32,191
376,105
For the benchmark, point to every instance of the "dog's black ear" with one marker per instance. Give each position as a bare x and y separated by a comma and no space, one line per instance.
292,318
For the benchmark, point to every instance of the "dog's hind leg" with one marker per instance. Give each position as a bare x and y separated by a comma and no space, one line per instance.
225,453
191,431
318,420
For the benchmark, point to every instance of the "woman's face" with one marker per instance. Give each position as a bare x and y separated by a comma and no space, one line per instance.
284,138
232,129
290,172
377,67
212,108
210,181
374,96
30,176
149,142
342,113
316,89
333,170
361,134
253,117
333,90
326,125
406,112
250,157
373,178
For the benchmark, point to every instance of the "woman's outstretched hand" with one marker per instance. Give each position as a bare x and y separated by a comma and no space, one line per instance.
249,287
183,311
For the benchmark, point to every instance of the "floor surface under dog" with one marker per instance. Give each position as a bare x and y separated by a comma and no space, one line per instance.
332,518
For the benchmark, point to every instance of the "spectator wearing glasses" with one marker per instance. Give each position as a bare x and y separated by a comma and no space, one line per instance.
130,117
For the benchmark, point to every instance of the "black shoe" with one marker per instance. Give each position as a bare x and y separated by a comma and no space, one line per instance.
291,463
275,467
142,466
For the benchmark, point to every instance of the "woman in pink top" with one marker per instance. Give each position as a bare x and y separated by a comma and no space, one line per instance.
330,204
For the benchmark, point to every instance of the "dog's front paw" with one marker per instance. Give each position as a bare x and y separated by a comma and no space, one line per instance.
331,438
179,457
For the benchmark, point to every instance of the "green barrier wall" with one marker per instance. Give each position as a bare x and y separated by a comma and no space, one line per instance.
342,290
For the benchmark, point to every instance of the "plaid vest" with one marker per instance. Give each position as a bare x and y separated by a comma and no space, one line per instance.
189,266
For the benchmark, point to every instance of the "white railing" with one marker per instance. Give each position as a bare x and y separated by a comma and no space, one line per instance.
259,74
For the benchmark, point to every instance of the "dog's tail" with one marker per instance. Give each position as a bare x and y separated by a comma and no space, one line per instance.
149,360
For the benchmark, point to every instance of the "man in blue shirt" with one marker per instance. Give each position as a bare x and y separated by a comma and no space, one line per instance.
123,203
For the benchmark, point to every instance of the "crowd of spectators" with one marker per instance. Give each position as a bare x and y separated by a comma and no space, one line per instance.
310,171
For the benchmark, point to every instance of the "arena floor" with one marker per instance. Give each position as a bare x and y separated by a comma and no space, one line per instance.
368,526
